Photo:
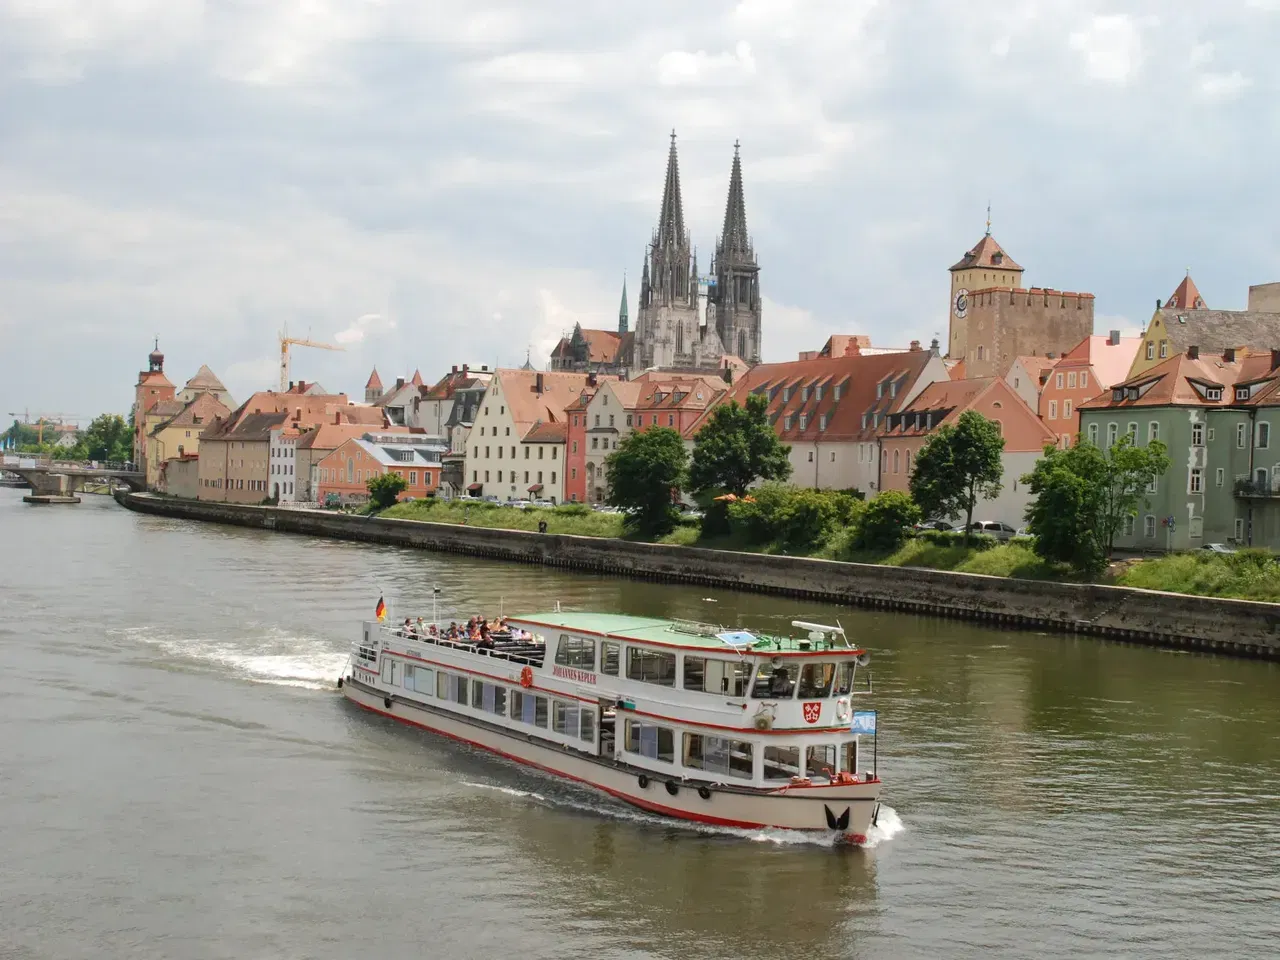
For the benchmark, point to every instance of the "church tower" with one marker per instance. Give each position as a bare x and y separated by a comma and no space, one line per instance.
667,321
624,320
736,297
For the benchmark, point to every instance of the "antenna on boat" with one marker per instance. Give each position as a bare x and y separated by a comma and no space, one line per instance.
557,606
435,600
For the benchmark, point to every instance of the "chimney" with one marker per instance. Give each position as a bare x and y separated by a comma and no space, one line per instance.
290,385
455,368
399,382
1114,339
465,368
1275,359
1229,355
1157,304
591,379
337,417
727,373
537,383
297,413
1193,352
915,346
484,368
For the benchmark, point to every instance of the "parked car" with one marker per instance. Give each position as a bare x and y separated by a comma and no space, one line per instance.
519,504
1218,548
993,528
541,504
935,524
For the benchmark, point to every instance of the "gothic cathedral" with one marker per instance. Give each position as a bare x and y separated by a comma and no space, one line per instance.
679,326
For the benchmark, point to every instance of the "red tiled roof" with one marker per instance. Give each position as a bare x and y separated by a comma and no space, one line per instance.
1170,383
947,399
416,379
202,411
528,406
374,382
548,433
602,345
330,436
1186,296
1110,362
984,254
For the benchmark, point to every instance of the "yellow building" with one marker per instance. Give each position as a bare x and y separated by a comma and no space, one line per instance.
171,434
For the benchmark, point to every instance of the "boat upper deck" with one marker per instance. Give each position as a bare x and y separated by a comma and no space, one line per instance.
686,633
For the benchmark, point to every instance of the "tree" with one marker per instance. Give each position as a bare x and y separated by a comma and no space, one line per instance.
108,438
385,489
886,519
958,465
1085,495
645,474
736,447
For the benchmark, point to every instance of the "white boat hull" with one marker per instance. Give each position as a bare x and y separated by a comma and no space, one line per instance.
843,809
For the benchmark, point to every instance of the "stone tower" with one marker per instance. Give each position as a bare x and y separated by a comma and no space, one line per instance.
624,320
985,267
667,328
373,387
736,298
152,388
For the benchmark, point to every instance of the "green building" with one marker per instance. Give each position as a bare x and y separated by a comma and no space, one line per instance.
1215,415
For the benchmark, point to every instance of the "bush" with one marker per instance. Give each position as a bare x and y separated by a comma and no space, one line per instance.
886,520
792,518
573,510
385,490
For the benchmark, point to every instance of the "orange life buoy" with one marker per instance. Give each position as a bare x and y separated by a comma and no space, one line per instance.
526,677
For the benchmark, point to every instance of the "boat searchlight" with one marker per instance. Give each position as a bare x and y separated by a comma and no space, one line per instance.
819,631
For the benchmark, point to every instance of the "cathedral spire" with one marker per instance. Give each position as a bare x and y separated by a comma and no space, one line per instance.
671,219
623,318
734,237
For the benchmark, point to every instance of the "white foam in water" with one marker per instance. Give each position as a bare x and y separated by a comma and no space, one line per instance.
279,659
888,826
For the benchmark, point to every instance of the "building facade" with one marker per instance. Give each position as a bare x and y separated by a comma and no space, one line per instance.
179,435
1086,371
152,387
347,470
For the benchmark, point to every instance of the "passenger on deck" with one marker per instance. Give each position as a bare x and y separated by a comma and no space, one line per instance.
434,632
421,627
407,629
453,630
486,638
779,683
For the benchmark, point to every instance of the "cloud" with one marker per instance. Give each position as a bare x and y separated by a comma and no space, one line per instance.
364,326
1223,86
680,68
1111,47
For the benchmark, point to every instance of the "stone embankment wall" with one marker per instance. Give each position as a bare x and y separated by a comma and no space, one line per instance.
1240,627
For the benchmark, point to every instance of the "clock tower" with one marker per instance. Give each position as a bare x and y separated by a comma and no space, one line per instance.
985,267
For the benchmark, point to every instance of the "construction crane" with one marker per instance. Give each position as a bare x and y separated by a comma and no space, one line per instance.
287,341
44,419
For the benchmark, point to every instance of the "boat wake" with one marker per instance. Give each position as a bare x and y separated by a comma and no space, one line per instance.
888,826
278,658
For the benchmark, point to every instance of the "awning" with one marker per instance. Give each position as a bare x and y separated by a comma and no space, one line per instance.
475,486
536,488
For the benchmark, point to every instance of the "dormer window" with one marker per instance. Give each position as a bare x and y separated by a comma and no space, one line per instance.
822,422
864,421
804,394
817,393
893,389
1215,393
917,421
1133,393
786,422
1242,393
786,394
835,394
1117,395
804,420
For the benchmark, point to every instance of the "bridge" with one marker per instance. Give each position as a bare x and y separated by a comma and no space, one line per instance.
54,481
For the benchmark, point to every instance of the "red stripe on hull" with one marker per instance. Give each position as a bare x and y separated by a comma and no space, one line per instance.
626,798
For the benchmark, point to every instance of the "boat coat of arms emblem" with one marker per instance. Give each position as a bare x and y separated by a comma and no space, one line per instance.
812,711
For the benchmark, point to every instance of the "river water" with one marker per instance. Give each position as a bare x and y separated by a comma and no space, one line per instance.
179,779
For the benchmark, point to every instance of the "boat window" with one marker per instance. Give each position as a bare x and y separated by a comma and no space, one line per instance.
576,652
459,690
773,683
820,761
610,655
651,666
564,718
650,740
421,679
477,692
728,677
442,685
489,697
587,725
388,670
528,708
844,678
730,758
781,763
849,757
540,712
815,680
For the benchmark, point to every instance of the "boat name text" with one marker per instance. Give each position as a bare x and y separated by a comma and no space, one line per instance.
569,673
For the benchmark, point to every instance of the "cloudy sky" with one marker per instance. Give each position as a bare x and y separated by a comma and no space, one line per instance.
432,182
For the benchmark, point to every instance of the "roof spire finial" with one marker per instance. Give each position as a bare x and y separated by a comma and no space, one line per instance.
673,136
988,218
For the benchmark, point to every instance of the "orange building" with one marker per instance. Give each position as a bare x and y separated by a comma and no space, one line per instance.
904,432
575,448
1092,367
152,387
346,471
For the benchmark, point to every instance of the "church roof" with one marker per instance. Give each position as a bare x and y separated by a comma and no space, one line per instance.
375,381
602,345
416,379
205,380
1186,296
671,217
986,253
733,235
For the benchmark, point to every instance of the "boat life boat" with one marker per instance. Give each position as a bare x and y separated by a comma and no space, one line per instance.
689,720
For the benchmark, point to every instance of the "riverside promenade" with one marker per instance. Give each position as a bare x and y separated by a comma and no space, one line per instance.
1237,627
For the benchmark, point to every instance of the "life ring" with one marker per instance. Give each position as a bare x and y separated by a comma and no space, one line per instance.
704,793
526,677
386,702
672,787
643,781
843,711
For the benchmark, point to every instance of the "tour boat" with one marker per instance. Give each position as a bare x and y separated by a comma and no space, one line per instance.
688,720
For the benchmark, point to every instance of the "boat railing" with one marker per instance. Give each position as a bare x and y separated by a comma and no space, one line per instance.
697,628
530,654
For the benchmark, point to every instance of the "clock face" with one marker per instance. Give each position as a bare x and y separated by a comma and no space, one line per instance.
962,304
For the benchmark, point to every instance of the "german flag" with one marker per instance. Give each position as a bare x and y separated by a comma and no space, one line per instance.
380,611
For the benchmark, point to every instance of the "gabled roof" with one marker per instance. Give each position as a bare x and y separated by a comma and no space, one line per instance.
548,433
330,436
986,253
1110,362
1035,365
944,401
416,379
204,380
250,427
1171,383
202,411
842,344
165,408
857,379
1215,330
374,382
529,406
602,345
1186,296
